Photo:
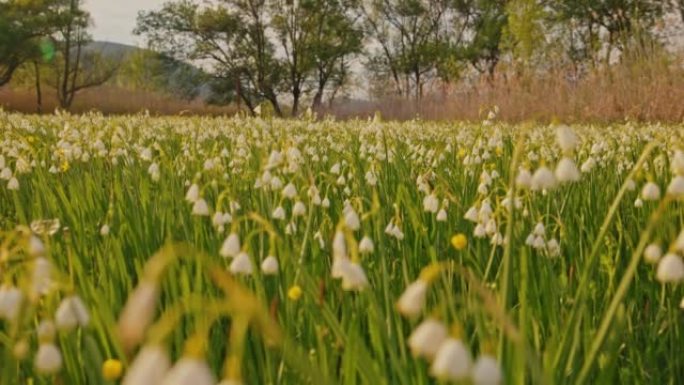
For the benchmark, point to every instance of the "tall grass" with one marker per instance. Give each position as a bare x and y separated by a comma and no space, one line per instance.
593,314
642,90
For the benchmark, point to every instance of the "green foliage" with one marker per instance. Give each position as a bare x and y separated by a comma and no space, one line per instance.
22,25
524,33
587,309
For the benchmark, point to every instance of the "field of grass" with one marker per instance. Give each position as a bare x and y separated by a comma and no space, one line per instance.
144,251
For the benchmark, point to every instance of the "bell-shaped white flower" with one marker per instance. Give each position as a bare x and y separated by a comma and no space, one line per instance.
298,209
670,269
553,248
241,264
650,192
149,367
48,359
412,300
566,171
193,193
276,183
479,231
486,371
6,173
278,213
485,211
290,191
231,246
200,208
217,219
652,253
543,179
441,215
13,184
676,186
471,215
452,361
351,219
538,242
366,245
71,313
425,340
631,184
11,299
431,203
491,227
354,277
588,165
270,266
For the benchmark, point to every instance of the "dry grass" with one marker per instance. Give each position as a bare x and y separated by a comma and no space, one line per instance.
110,100
643,92
650,90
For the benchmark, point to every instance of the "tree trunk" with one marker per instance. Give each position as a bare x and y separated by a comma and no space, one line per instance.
63,91
39,93
296,94
419,85
317,99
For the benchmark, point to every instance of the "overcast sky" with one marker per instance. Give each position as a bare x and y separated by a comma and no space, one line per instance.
115,19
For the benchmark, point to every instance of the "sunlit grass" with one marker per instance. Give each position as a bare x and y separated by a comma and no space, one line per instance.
373,231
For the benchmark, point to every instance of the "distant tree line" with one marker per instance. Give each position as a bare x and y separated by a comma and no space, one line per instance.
268,50
293,54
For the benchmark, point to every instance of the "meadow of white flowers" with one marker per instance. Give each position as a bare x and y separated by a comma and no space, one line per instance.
201,251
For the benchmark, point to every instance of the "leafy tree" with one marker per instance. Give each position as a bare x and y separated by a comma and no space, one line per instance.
410,40
606,25
525,29
230,36
238,39
316,36
486,20
22,25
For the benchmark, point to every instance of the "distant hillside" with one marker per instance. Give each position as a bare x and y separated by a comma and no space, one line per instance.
171,76
113,50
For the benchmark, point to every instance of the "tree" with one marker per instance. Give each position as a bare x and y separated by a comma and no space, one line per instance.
22,24
315,36
486,20
229,36
606,25
75,68
410,40
336,37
